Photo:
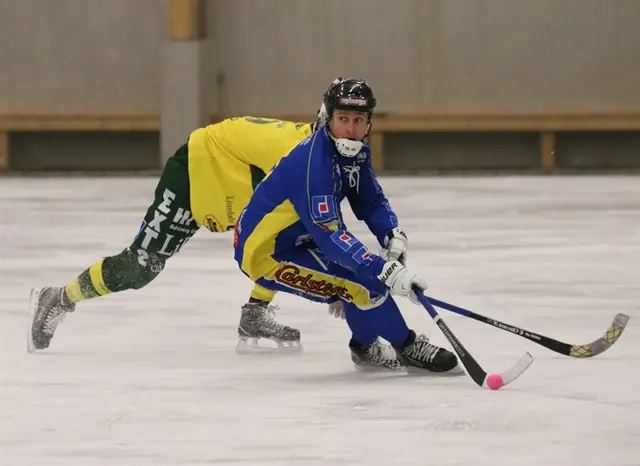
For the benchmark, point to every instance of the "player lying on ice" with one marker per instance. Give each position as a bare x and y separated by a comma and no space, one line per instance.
291,236
208,181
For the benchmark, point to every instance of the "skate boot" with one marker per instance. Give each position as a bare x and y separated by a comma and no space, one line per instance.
47,308
377,356
258,326
418,352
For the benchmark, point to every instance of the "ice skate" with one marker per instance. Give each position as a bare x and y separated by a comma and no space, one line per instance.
377,356
259,332
47,308
417,352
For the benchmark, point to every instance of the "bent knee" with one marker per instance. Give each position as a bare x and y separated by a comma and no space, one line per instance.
148,267
132,269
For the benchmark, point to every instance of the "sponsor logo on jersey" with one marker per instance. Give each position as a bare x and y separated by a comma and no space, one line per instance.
363,256
354,101
182,217
291,276
159,228
229,201
212,224
323,208
343,239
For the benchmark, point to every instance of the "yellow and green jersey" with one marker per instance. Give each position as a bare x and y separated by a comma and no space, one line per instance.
228,159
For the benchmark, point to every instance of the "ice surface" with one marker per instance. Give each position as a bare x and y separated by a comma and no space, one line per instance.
150,377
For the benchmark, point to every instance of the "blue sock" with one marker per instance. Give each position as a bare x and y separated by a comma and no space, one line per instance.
384,320
360,324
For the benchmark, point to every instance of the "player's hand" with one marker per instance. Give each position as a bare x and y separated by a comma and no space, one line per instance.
395,246
401,281
336,309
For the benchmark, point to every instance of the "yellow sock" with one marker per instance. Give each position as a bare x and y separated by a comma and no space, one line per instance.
263,294
89,284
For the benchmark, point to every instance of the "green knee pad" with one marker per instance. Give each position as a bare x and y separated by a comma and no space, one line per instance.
131,269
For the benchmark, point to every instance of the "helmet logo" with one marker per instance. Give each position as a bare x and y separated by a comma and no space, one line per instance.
354,101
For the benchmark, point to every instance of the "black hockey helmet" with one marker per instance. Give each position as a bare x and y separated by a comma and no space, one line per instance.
350,94
347,94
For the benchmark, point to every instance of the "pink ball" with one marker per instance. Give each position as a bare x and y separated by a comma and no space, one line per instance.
494,381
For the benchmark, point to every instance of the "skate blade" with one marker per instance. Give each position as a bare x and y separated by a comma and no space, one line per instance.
247,345
370,369
418,371
33,306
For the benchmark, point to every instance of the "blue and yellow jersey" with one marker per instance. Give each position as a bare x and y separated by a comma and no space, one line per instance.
298,205
228,159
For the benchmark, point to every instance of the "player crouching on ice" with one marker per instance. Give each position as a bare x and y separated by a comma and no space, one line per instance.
291,236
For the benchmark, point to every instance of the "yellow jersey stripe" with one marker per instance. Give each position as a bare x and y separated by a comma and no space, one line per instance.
257,254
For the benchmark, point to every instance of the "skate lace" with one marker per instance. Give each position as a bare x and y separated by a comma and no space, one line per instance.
269,315
422,349
56,315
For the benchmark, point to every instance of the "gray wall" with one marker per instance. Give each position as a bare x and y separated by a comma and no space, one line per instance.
440,56
277,56
81,56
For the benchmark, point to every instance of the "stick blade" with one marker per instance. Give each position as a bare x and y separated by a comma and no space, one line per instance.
603,343
517,369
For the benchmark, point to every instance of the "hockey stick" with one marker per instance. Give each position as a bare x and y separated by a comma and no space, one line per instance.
477,373
575,351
